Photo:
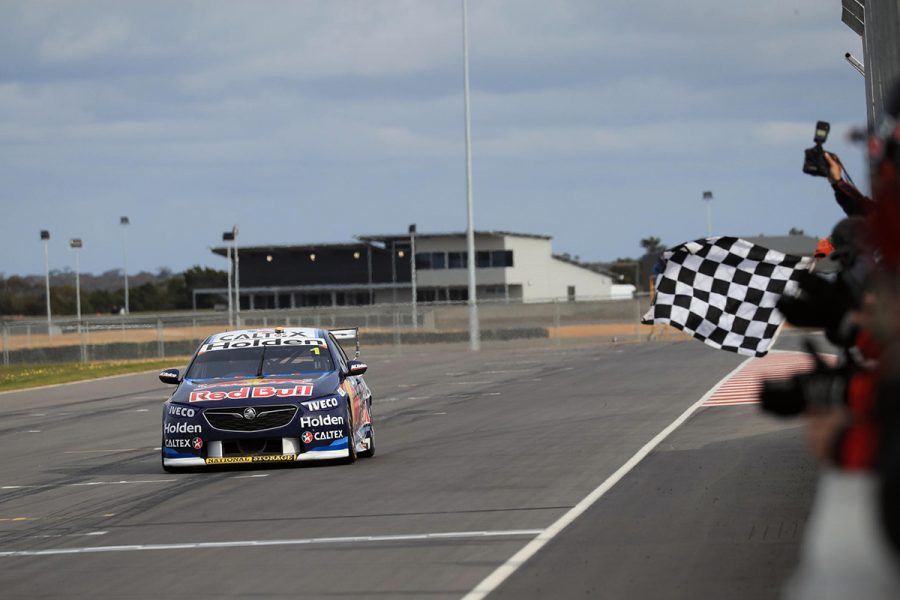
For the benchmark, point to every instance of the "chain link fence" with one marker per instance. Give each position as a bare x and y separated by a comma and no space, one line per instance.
141,336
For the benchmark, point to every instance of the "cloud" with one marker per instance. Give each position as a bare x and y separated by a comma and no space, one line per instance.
189,108
69,46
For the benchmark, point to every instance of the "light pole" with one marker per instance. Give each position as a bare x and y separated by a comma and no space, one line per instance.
75,244
237,278
45,237
707,197
123,221
369,266
412,270
228,236
394,275
474,335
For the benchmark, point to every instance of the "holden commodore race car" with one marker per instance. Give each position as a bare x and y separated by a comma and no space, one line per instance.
277,395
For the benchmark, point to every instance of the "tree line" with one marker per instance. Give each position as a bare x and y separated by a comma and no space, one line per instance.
105,293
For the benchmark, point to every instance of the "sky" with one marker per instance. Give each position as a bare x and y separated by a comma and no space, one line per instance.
312,121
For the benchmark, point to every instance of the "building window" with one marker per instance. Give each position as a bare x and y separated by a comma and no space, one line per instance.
494,259
458,294
423,260
484,259
457,260
571,293
502,258
431,260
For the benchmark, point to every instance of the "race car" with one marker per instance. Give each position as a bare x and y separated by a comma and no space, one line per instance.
277,395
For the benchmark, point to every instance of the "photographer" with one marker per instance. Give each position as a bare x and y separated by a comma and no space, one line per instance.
820,163
852,412
850,199
837,401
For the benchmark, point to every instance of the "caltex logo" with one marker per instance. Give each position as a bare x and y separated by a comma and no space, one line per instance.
198,443
307,437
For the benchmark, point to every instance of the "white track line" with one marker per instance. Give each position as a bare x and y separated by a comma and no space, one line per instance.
83,484
452,535
501,573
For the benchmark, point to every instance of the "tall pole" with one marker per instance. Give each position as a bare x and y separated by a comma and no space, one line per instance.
45,237
75,244
707,197
474,336
412,271
230,296
123,221
237,280
394,275
369,261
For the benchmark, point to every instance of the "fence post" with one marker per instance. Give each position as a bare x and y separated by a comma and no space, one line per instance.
160,344
5,345
556,319
398,339
637,322
82,342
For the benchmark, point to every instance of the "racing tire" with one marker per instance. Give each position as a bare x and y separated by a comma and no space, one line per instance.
371,451
351,443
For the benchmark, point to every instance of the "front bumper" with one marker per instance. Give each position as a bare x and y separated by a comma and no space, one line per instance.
291,452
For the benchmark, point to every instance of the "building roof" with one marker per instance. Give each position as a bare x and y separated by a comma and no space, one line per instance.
223,250
420,235
367,240
798,245
592,267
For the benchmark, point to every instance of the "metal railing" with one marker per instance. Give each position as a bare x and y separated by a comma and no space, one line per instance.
137,336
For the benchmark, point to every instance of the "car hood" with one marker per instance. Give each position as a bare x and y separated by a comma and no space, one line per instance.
255,391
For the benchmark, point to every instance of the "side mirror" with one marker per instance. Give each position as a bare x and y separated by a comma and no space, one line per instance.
170,376
355,367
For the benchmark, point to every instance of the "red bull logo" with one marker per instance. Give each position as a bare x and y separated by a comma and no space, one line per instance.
252,392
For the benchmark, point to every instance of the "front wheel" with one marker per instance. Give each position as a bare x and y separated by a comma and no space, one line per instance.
351,437
370,451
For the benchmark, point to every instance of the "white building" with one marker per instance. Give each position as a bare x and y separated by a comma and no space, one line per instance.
509,266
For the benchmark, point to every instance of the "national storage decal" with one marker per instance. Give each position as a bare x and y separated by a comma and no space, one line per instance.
232,460
263,391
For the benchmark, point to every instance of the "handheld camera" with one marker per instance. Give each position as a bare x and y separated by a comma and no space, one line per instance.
814,162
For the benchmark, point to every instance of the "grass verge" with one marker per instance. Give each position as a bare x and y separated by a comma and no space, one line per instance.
19,377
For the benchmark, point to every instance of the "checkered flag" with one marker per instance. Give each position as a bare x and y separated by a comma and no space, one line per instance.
723,290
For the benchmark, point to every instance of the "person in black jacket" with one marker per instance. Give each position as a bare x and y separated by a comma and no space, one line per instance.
851,200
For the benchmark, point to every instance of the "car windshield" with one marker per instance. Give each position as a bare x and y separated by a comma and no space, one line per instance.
261,362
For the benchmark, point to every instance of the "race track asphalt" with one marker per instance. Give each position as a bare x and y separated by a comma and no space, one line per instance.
476,454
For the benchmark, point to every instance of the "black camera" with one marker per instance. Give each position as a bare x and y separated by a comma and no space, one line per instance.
814,162
823,387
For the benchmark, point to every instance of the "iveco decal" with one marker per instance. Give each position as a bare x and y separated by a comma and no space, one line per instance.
317,405
180,411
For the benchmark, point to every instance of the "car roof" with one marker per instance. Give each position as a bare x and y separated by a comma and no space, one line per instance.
267,332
